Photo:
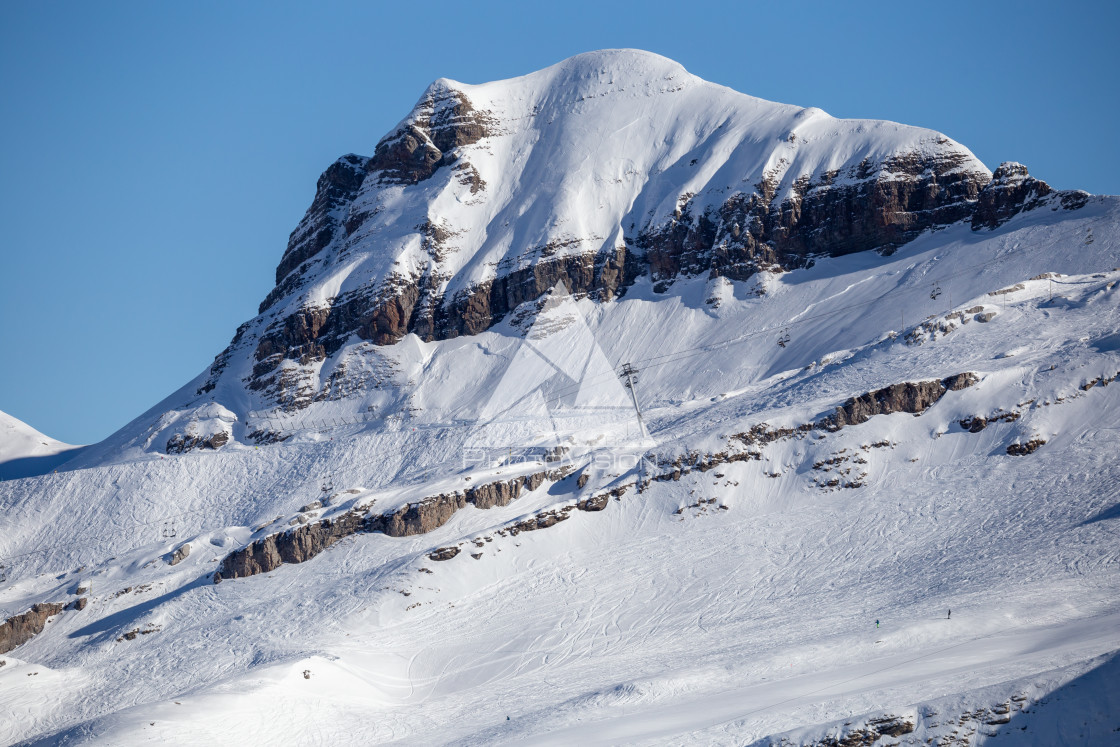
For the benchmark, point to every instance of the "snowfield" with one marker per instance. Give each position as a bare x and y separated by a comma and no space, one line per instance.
750,574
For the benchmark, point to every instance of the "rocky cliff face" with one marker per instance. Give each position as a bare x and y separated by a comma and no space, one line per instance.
337,188
744,235
444,120
485,197
1011,191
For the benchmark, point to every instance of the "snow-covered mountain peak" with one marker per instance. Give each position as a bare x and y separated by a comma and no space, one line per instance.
603,172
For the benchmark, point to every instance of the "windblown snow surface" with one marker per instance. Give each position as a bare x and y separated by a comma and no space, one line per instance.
793,597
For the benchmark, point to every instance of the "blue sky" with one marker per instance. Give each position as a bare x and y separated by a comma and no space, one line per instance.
155,156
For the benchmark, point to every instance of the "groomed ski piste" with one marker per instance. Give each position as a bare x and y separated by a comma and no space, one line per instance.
736,604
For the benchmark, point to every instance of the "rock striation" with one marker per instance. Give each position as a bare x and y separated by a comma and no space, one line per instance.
873,205
1011,191
293,546
336,189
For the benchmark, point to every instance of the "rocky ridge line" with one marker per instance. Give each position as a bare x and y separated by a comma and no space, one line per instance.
304,542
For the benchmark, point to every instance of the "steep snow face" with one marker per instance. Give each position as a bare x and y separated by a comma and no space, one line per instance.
25,451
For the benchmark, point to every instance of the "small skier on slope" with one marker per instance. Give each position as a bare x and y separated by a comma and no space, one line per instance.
949,616
876,623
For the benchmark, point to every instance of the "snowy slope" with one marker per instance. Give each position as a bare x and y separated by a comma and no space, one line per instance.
728,586
25,451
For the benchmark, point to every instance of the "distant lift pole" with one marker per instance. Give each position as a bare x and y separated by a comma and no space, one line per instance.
631,373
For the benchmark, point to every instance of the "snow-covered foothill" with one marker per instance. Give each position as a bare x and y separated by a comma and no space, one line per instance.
25,451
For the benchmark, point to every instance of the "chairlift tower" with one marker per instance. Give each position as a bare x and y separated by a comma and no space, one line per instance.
631,374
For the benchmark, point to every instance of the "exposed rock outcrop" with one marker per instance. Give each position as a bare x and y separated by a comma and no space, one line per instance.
543,520
336,188
1011,191
879,206
180,444
911,397
869,733
305,541
763,218
180,554
1022,449
1102,380
19,629
404,305
443,553
443,120
293,546
977,423
135,633
891,203
433,512
594,503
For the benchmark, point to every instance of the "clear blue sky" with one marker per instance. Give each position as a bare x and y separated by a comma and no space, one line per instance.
155,156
